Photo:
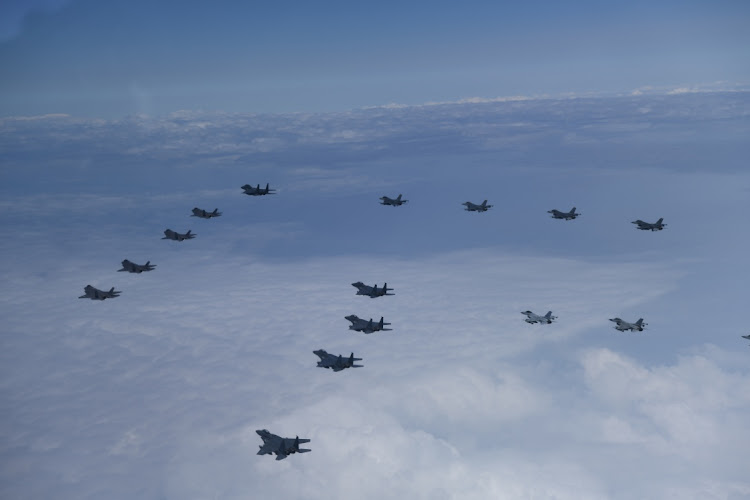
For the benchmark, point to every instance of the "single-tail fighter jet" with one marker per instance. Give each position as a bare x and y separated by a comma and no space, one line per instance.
337,363
390,201
624,325
471,207
173,235
556,214
645,226
535,318
96,294
360,325
199,212
257,191
281,447
372,291
135,268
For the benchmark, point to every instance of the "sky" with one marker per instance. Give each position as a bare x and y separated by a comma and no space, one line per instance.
116,58
157,394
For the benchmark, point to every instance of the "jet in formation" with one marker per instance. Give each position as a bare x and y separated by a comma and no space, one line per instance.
624,325
372,291
199,212
336,363
535,318
556,214
257,191
645,226
281,447
135,268
471,207
746,337
390,201
361,325
173,235
96,294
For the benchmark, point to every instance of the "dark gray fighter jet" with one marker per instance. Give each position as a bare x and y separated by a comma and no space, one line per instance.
372,291
556,214
199,212
361,325
535,318
96,294
172,235
645,226
471,207
624,325
281,447
257,191
336,363
390,201
746,337
136,268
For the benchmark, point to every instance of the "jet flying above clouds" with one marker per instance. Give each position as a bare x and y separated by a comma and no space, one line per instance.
471,207
397,202
96,294
130,267
173,235
199,212
257,191
281,447
623,325
535,318
336,363
361,325
645,226
372,291
556,214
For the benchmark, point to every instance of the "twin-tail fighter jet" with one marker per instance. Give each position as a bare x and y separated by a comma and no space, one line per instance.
556,214
372,291
281,447
624,325
199,212
645,226
96,294
471,207
393,202
130,267
535,318
173,235
336,363
257,191
361,325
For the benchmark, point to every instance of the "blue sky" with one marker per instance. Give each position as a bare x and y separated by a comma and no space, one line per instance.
110,59
117,118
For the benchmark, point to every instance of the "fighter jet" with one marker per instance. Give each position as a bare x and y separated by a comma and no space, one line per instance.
556,214
470,207
360,325
390,201
337,363
535,318
198,212
172,235
96,294
624,325
645,226
257,191
372,291
135,268
281,447
746,337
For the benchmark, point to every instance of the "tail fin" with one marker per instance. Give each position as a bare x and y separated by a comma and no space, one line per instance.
216,211
188,233
381,324
573,210
660,220
548,315
484,203
267,186
148,262
639,322
111,290
399,198
351,359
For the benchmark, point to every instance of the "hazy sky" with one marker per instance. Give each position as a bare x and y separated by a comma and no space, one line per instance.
117,118
109,59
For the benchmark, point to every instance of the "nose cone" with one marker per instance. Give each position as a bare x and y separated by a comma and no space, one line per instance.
351,317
